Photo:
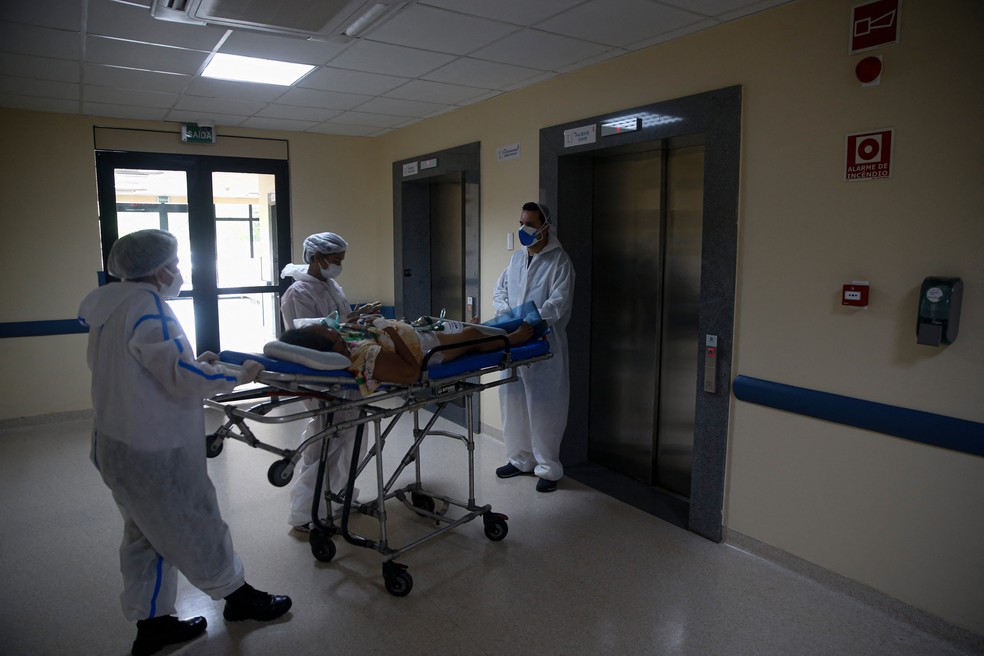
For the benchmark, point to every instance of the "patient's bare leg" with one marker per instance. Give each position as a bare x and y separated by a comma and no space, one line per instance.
518,336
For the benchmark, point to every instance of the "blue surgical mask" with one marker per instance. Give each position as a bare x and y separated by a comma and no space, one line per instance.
529,235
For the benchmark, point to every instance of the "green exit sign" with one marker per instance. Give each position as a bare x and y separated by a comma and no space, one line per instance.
193,133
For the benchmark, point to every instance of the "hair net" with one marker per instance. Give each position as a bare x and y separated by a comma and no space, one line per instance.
141,253
324,243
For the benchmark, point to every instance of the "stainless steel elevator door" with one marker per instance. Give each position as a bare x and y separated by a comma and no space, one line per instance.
646,229
447,248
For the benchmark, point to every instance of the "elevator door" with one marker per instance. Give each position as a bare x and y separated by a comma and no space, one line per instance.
646,253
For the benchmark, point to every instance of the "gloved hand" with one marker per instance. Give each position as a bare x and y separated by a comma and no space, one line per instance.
207,356
248,371
380,322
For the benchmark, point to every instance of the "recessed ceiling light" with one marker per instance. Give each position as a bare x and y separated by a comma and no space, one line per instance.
253,69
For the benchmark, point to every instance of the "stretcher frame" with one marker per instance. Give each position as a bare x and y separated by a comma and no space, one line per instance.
434,390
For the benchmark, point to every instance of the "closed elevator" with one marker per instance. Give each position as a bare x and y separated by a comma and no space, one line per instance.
647,208
645,293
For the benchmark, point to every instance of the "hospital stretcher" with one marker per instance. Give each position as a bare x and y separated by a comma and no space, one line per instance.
284,385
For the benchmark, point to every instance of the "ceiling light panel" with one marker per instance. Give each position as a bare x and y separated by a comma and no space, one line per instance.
253,69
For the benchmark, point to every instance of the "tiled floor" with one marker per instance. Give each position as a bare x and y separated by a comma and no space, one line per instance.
578,573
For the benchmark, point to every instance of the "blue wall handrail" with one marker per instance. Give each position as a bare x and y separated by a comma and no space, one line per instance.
925,427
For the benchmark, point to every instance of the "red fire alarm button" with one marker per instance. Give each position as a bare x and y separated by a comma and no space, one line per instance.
855,295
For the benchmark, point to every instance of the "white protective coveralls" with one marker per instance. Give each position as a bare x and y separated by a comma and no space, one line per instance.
148,443
308,298
534,408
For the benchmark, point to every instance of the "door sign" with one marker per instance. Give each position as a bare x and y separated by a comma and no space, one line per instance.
869,155
874,24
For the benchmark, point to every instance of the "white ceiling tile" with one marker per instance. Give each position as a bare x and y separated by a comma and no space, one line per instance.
130,78
518,12
25,86
218,118
41,68
298,51
39,104
263,123
540,50
316,114
479,73
389,60
40,41
714,8
124,111
109,95
370,120
205,86
617,22
327,78
326,99
435,92
442,31
102,50
543,77
58,14
750,8
675,34
133,61
219,105
344,130
124,21
398,107
591,61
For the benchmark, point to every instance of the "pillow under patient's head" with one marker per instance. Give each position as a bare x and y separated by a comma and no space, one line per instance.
322,360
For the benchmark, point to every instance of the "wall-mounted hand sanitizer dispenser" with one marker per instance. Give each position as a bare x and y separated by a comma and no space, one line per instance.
939,311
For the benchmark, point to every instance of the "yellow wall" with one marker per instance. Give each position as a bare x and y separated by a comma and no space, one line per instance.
901,517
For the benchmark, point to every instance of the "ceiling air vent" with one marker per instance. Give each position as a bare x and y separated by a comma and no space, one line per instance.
299,18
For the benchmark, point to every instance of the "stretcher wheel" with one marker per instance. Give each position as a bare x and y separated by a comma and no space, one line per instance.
398,581
280,473
213,445
422,501
322,546
495,527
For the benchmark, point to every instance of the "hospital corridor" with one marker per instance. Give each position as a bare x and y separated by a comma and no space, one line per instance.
578,574
630,327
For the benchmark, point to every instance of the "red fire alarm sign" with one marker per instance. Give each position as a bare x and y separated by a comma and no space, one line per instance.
869,155
874,24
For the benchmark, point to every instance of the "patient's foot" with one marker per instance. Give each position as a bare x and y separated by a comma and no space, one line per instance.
521,335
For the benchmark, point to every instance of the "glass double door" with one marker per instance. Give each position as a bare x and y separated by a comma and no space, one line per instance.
232,221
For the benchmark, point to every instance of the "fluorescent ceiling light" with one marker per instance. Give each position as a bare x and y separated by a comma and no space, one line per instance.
253,69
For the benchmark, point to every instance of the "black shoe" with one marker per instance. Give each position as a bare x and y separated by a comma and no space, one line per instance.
158,632
248,603
543,485
508,470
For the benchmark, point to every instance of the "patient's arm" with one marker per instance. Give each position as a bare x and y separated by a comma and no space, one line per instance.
400,367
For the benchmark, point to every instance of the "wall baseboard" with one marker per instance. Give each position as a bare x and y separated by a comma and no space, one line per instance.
50,418
957,636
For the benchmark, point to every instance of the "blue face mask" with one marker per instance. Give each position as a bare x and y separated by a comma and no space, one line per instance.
529,235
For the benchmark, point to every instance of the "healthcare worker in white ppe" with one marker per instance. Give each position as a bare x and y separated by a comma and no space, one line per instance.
316,294
534,408
148,443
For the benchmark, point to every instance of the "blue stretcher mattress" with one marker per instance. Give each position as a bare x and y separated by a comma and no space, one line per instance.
471,362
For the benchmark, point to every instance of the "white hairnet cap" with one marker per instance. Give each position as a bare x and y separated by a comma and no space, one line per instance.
141,253
324,243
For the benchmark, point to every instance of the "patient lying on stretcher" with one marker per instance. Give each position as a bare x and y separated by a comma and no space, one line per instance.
392,351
